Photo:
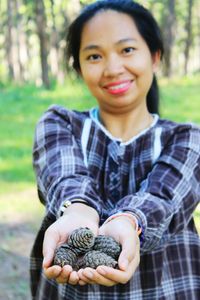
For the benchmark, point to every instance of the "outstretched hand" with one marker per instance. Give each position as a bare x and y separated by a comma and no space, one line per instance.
123,232
77,215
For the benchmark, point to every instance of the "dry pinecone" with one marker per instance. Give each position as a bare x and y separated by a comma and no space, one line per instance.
93,259
82,239
64,255
108,245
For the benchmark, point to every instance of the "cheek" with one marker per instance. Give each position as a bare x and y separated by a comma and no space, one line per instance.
143,65
142,62
91,75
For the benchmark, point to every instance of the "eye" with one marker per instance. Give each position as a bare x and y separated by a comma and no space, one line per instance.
94,57
128,50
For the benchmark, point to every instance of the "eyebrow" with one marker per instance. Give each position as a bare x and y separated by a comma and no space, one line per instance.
96,47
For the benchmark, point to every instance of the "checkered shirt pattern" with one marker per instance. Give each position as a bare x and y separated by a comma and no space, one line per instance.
155,176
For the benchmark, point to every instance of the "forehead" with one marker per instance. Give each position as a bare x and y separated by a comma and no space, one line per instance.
109,26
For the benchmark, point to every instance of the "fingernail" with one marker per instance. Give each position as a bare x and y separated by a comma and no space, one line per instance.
89,274
101,271
124,264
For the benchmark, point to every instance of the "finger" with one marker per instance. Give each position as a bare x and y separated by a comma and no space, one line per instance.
67,269
82,283
83,278
61,280
64,275
118,275
113,274
128,252
101,230
52,272
73,278
49,246
97,278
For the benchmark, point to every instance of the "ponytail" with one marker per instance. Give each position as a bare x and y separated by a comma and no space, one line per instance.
153,97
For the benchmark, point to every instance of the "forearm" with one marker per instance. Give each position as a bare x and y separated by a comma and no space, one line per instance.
59,165
159,218
82,209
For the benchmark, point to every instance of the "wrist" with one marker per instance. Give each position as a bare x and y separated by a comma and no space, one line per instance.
128,217
83,210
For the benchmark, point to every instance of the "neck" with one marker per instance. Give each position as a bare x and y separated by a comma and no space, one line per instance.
127,125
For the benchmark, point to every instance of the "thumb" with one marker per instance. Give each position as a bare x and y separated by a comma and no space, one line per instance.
102,230
49,246
127,254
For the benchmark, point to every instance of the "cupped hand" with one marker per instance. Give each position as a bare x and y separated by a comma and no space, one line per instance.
77,215
122,230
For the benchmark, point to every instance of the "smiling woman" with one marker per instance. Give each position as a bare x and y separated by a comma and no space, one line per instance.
118,67
118,169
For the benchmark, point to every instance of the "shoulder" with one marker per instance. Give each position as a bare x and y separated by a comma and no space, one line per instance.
59,120
183,134
57,113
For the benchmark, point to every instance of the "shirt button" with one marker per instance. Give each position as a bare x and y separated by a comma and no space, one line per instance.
115,181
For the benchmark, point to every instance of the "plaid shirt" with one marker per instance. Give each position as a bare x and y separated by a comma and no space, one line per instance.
155,176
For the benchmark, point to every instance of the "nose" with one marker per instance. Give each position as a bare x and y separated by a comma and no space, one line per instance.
113,66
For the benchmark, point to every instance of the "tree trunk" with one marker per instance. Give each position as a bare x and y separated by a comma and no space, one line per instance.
169,19
41,28
9,41
19,42
188,28
54,44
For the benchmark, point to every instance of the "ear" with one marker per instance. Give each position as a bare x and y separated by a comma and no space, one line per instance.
156,58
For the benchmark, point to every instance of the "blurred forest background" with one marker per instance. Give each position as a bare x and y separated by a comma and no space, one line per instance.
32,37
33,75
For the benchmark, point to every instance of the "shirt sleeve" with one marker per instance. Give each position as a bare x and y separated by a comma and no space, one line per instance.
59,165
167,198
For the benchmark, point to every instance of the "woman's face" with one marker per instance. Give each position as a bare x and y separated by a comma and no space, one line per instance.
115,62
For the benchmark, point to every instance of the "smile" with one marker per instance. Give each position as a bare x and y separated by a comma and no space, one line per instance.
118,87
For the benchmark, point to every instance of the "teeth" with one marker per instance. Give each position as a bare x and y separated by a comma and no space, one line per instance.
116,87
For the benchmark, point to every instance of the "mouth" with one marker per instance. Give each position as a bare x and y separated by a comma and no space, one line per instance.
119,87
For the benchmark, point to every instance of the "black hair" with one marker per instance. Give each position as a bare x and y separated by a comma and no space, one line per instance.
145,23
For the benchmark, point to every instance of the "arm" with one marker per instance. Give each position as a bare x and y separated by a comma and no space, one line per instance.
59,166
168,196
62,175
163,205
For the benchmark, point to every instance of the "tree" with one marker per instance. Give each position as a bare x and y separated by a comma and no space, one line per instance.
32,34
168,28
41,30
19,41
188,41
9,39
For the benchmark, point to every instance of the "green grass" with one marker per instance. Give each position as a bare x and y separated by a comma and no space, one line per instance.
21,107
180,99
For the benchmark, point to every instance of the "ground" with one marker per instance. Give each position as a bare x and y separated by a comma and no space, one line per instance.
17,231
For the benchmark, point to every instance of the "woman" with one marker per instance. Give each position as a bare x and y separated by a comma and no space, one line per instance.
118,169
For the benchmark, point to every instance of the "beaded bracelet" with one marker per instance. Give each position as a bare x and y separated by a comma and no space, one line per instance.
67,203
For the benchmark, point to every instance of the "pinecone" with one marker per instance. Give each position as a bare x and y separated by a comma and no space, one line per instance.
81,239
93,259
65,255
108,245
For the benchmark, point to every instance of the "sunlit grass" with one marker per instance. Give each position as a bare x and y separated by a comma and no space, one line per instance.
180,99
